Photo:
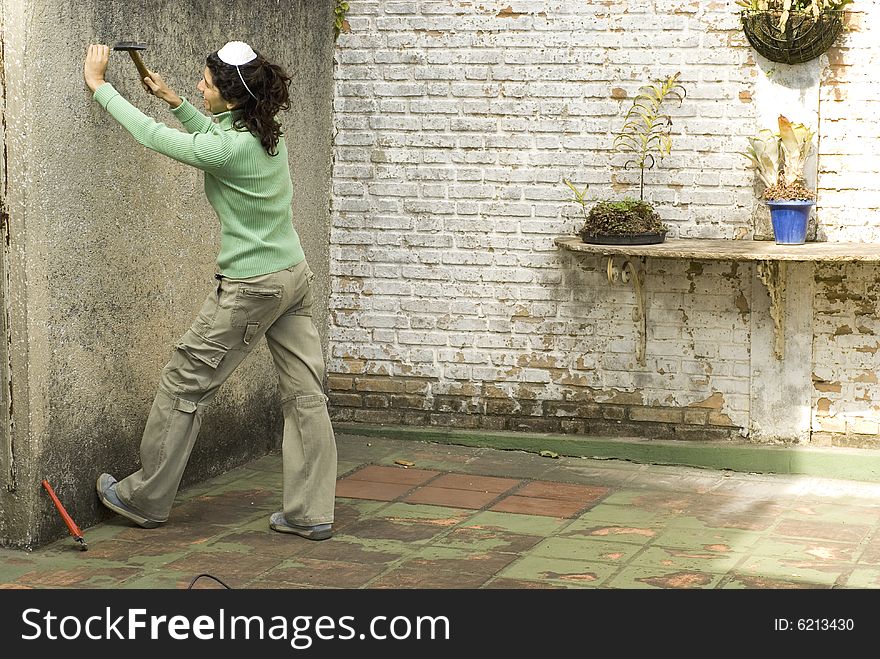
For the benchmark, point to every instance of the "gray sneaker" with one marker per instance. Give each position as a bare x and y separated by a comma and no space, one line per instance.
277,522
106,487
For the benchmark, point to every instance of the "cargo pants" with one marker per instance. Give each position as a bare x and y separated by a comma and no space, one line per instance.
232,320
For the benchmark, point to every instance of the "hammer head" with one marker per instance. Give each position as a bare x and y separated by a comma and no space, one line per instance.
130,45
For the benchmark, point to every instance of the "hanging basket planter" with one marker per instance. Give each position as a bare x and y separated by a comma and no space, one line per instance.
805,36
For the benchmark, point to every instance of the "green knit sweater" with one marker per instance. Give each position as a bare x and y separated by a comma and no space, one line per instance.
250,190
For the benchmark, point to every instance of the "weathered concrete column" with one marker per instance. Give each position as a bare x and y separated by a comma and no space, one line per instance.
781,388
108,248
781,384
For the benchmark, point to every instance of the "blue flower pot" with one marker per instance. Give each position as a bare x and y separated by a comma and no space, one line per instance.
790,219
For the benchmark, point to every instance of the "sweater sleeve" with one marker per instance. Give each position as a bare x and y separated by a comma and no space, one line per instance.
191,119
208,150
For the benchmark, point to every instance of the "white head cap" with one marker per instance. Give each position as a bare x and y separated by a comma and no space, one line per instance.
236,53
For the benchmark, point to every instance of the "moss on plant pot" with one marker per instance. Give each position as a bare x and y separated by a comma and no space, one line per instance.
629,217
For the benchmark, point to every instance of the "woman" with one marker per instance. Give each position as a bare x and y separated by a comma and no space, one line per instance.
264,288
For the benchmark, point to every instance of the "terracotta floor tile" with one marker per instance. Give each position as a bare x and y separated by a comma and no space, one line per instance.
538,506
355,489
477,483
354,550
562,491
80,577
229,566
382,474
442,496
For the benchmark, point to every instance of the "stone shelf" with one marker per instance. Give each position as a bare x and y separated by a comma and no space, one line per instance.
770,258
731,250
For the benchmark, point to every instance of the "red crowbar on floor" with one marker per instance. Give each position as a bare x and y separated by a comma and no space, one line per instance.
74,529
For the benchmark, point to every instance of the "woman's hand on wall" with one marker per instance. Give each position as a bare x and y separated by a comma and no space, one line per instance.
95,65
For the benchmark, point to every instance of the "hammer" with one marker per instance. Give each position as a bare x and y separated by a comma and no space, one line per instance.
132,47
71,525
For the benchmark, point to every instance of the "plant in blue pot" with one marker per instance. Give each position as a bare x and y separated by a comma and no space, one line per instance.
780,159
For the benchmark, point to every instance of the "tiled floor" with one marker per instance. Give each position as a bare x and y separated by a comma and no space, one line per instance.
420,515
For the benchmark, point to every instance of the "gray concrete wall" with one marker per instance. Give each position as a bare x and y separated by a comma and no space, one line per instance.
110,247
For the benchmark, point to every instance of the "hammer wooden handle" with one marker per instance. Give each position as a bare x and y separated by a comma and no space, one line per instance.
142,70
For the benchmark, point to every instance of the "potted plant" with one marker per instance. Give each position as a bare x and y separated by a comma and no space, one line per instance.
779,159
646,131
792,31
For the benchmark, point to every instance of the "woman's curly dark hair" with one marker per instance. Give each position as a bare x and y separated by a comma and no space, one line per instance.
269,84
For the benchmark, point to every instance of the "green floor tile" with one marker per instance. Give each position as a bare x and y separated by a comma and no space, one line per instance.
824,512
691,559
167,579
264,480
482,539
786,569
515,523
271,462
559,571
441,553
863,578
345,466
621,515
634,535
586,549
806,550
737,581
13,565
637,577
696,535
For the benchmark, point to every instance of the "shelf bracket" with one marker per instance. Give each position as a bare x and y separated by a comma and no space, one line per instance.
632,271
772,275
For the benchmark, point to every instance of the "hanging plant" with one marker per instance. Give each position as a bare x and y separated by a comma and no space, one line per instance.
792,31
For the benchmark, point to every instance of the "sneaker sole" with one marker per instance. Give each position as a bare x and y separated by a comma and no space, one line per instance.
308,535
143,522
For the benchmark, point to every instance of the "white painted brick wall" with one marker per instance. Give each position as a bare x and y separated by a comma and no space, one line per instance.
455,125
849,153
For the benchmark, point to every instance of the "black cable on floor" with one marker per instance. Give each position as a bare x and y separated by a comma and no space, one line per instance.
209,576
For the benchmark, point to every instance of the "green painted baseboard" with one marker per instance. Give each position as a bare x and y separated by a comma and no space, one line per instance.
822,462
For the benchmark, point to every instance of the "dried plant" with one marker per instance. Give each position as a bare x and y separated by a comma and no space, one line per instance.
645,130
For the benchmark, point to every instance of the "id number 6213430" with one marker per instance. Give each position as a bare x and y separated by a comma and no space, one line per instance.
813,624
